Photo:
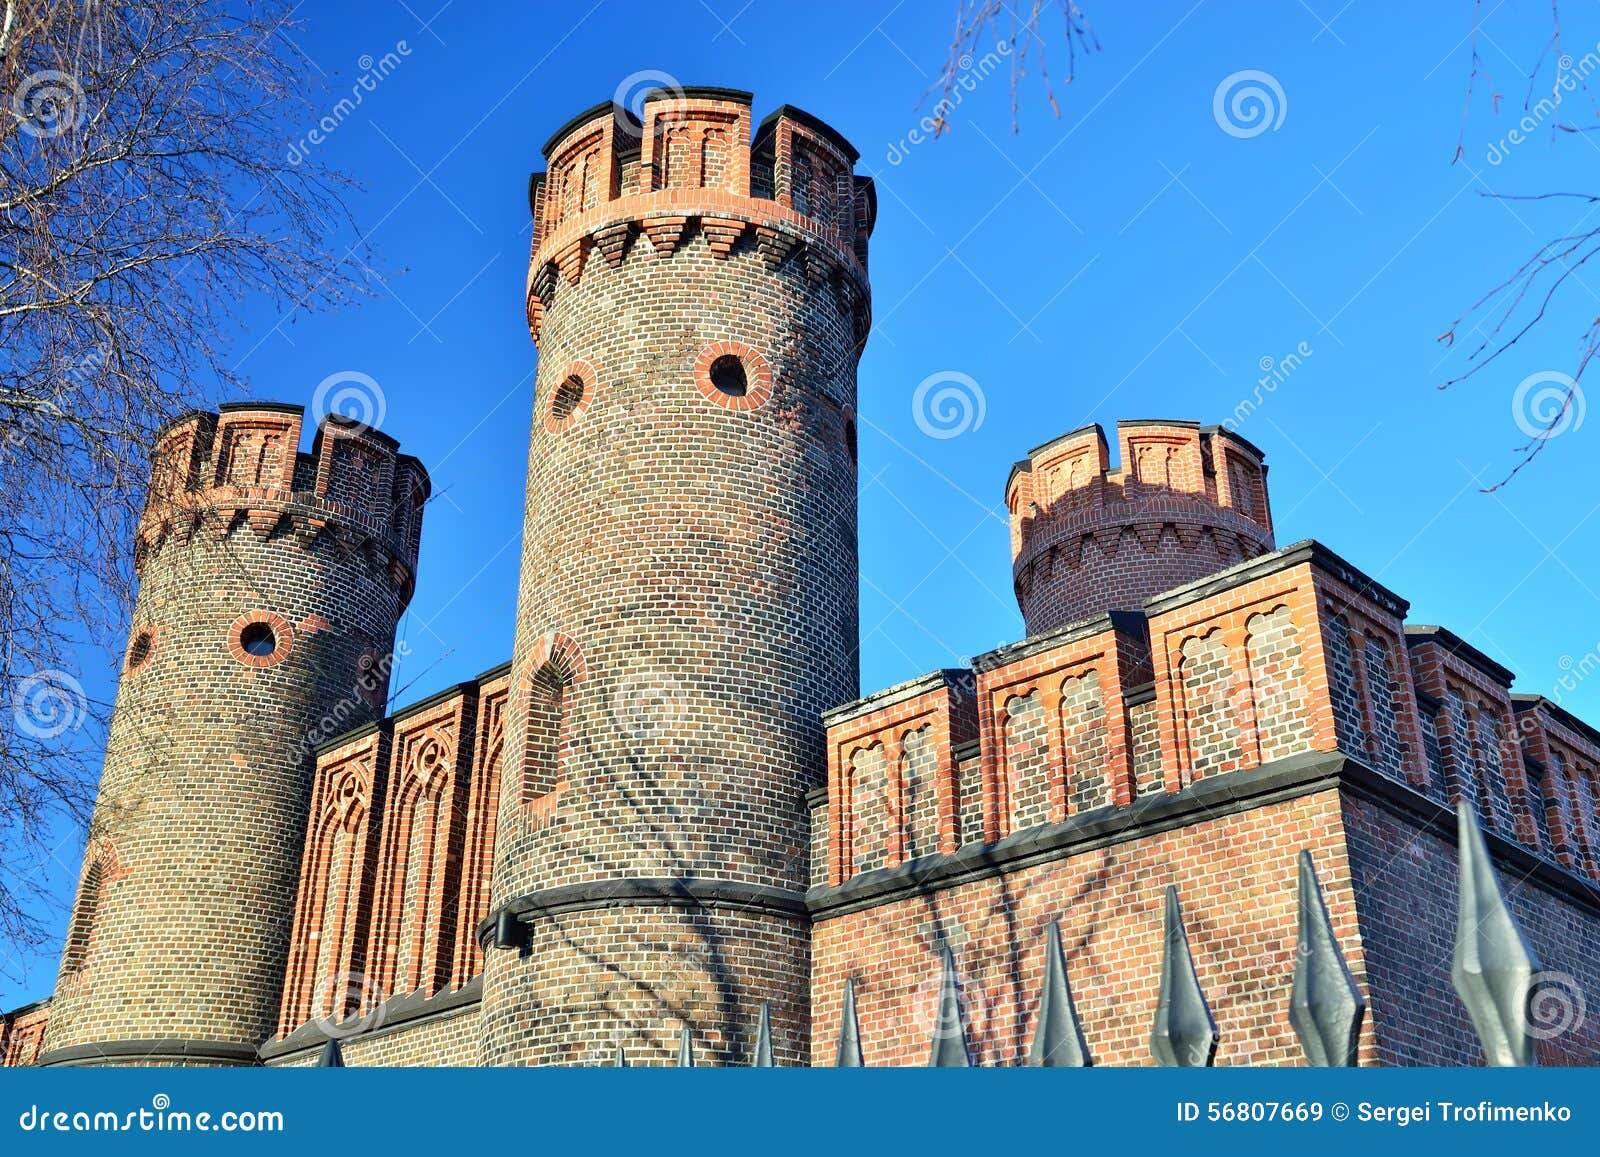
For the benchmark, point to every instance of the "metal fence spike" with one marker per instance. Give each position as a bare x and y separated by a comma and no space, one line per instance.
620,1060
1057,1036
686,1049
1494,969
849,1055
1326,1007
949,1050
331,1057
1185,1034
764,1038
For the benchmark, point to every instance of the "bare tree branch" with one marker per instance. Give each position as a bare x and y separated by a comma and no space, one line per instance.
145,194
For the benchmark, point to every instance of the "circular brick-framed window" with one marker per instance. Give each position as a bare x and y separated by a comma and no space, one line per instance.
733,375
260,639
140,649
571,396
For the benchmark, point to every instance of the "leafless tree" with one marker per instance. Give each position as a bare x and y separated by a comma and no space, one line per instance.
1504,315
1523,300
1021,31
146,191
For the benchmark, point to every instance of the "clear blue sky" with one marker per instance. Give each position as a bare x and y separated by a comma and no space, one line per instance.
1129,259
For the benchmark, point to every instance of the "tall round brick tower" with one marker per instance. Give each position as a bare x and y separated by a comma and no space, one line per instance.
270,585
1186,502
688,601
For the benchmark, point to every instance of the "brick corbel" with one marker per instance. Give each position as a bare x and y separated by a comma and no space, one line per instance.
721,233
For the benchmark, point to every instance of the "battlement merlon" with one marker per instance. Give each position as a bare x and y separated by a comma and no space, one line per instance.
1290,656
242,465
692,165
1086,536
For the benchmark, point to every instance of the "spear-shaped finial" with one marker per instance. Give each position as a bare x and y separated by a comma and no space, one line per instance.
1326,1006
1185,1033
1493,969
849,1055
1058,1038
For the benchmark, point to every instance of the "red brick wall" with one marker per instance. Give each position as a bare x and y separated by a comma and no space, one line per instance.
1236,878
394,880
1404,883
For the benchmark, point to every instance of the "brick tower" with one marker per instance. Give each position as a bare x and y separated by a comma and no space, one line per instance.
270,585
1186,502
688,602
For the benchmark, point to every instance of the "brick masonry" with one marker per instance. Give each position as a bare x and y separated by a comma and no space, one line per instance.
180,927
690,546
670,806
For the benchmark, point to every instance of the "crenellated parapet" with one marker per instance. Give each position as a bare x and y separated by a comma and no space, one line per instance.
394,878
690,174
1087,537
1292,656
240,471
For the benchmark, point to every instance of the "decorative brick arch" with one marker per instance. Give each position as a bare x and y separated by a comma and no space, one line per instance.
100,868
554,668
757,373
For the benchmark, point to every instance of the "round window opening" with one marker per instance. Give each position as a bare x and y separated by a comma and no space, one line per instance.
567,398
259,640
139,652
727,375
